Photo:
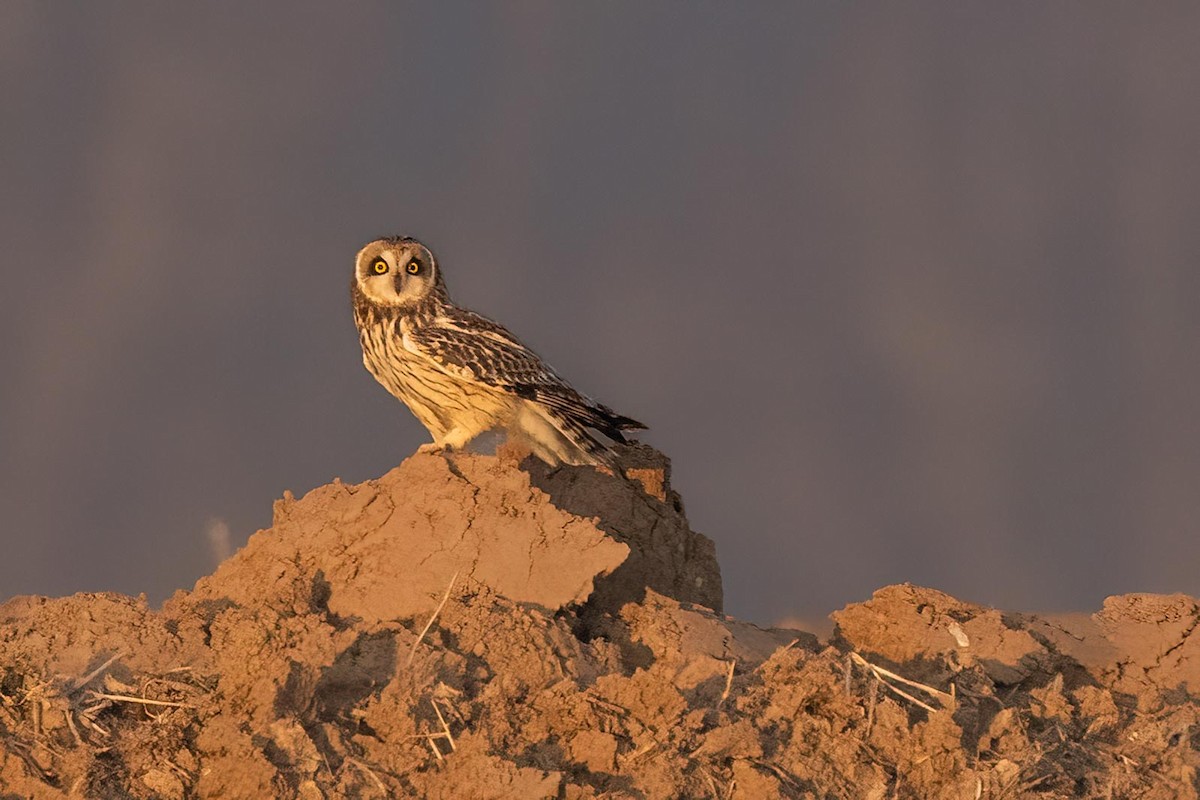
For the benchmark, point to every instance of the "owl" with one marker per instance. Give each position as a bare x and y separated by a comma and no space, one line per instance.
462,374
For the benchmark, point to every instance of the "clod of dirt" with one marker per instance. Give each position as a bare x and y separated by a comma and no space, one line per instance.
388,548
1139,642
579,652
909,623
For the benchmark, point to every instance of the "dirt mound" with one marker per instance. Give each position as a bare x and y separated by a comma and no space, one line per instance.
465,627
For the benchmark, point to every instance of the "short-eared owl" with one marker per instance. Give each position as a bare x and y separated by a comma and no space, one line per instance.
462,374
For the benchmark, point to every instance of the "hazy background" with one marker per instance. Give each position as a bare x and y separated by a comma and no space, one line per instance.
908,292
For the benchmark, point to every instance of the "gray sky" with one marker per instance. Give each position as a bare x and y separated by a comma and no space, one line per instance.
906,292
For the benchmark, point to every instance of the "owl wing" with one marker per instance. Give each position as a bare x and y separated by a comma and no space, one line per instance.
476,349
472,347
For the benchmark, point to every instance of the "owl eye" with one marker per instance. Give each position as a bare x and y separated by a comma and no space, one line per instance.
379,266
413,267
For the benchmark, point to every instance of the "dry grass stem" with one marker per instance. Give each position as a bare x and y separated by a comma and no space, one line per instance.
35,711
445,727
643,751
363,768
728,684
612,708
125,698
779,772
86,679
96,726
886,673
872,700
885,676
412,653
74,730
910,698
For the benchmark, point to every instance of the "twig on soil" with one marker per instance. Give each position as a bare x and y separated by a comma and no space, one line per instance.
779,772
718,793
611,708
361,767
86,679
22,749
885,676
35,711
872,699
886,673
412,653
728,684
643,751
74,730
901,693
1036,782
435,749
445,727
97,727
125,698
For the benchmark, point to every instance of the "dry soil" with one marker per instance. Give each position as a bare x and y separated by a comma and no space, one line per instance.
472,626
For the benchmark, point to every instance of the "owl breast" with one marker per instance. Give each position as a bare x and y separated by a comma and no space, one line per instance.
440,401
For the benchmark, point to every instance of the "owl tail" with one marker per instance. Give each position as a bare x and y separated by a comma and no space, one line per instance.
593,450
617,422
584,412
557,438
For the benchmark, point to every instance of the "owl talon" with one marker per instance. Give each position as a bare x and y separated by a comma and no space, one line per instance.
432,448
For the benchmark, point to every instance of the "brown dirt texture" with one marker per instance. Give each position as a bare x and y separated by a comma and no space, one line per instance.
474,626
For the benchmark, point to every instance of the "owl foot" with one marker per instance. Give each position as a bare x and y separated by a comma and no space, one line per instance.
432,448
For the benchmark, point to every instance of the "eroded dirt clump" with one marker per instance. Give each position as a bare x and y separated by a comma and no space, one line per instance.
575,654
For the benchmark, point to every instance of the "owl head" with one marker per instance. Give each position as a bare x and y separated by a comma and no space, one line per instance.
397,271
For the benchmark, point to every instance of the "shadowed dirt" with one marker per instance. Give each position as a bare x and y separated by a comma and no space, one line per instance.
468,626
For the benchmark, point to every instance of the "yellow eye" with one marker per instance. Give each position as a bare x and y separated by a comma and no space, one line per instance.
414,267
379,266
